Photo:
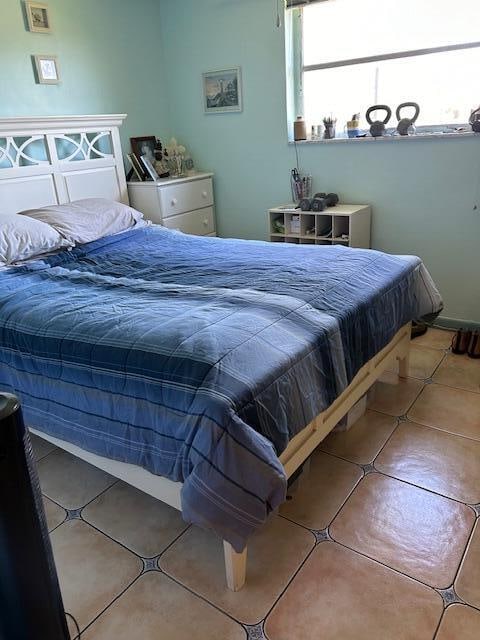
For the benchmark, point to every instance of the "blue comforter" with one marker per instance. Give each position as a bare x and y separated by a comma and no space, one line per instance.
199,358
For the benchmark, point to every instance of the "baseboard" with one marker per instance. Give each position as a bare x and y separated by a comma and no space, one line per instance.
455,323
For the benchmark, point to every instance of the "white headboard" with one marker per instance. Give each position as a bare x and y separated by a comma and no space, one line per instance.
57,159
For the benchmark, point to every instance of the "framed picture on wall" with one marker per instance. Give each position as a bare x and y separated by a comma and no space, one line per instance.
37,16
222,91
47,69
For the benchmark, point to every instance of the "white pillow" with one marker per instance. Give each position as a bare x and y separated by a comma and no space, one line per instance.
87,220
22,238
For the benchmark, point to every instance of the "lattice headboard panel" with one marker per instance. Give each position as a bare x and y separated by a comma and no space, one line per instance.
58,159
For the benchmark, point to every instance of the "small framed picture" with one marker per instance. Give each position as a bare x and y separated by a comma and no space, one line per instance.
222,91
37,16
47,69
144,146
147,163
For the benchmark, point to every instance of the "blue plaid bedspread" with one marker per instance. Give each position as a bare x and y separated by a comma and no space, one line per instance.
199,358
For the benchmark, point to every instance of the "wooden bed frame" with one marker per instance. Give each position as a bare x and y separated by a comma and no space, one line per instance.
74,167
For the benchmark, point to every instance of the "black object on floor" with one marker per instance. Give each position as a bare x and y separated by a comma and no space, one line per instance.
30,599
461,341
474,346
418,329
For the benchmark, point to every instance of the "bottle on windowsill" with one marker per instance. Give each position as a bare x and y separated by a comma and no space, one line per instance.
299,129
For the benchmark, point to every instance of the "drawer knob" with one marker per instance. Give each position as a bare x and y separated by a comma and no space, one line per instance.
204,194
205,222
174,202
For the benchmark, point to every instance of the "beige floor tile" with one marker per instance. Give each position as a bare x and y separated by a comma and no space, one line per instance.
449,409
459,623
70,481
140,522
409,529
467,584
41,447
362,442
394,395
340,595
434,460
55,515
461,372
322,493
423,362
156,608
274,554
92,569
435,338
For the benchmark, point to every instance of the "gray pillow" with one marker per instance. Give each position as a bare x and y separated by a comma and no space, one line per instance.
22,238
87,220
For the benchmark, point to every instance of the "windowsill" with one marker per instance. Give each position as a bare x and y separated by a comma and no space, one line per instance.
418,136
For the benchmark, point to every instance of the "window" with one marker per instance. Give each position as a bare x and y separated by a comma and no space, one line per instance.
351,54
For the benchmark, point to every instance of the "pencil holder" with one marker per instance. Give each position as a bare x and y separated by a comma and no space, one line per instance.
301,187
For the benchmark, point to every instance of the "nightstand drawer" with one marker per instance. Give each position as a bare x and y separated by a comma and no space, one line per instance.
188,196
197,223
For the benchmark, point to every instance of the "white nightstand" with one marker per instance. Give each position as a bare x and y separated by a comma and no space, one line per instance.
349,225
186,204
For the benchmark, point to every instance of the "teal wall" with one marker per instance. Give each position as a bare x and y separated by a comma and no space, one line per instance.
146,57
422,191
109,57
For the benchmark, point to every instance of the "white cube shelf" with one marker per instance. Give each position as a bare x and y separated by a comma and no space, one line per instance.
347,224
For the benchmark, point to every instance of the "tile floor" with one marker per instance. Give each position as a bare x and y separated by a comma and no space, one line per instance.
380,541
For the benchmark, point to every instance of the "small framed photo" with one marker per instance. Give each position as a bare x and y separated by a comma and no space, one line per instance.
47,69
147,163
222,90
37,16
144,146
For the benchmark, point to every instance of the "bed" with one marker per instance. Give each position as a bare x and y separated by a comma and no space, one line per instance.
203,371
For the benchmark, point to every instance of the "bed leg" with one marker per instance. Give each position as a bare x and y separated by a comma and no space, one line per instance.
403,366
235,566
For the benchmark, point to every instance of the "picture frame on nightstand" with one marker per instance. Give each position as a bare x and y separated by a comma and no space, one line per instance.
150,169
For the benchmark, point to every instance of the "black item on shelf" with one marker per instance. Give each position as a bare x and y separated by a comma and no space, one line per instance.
305,204
31,602
319,203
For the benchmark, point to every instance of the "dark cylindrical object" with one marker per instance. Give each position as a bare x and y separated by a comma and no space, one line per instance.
461,341
30,601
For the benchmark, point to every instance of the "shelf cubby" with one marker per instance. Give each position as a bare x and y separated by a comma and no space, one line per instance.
350,220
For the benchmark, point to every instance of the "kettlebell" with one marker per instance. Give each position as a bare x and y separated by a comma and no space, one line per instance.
405,125
475,120
378,127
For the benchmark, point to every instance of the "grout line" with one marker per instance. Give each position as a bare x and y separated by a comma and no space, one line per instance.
117,597
116,481
205,599
435,493
383,564
159,555
399,422
464,554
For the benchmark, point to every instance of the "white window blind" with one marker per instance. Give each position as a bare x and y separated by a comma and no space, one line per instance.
361,52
